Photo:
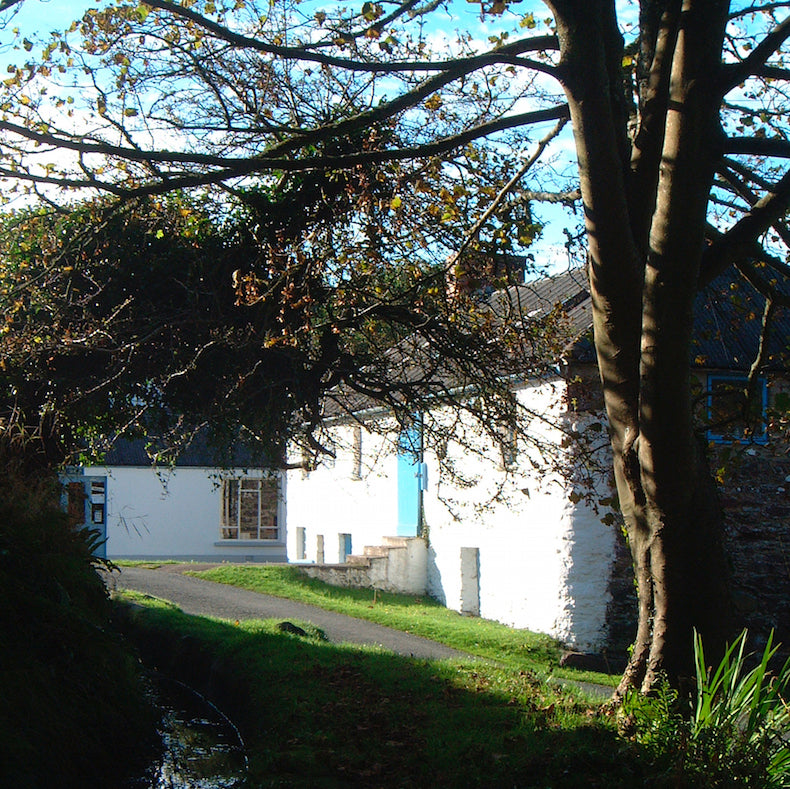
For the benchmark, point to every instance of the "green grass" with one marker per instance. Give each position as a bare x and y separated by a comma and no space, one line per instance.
325,715
422,616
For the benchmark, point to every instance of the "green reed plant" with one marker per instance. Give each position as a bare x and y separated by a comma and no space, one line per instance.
735,730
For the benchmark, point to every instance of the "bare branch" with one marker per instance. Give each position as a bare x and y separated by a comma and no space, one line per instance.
737,243
734,74
566,198
500,54
759,8
747,173
758,146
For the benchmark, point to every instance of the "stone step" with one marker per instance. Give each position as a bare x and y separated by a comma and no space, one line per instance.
396,542
361,561
375,551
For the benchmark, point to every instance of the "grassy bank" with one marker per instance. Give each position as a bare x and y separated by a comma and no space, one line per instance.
323,715
518,649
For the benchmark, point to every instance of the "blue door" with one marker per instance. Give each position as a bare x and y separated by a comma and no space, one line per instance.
411,478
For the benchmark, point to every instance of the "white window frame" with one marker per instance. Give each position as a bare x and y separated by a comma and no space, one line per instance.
240,493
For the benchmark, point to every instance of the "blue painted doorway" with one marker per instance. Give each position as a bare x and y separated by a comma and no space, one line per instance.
411,481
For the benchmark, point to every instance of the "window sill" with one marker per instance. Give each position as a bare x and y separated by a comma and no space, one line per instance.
250,543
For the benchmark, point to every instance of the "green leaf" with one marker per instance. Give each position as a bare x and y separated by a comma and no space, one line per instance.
528,21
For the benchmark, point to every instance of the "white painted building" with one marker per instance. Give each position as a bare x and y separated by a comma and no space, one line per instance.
514,545
192,511
508,531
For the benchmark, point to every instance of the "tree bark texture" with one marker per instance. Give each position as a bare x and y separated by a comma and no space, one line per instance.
645,181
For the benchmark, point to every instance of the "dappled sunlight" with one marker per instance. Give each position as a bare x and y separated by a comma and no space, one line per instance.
318,712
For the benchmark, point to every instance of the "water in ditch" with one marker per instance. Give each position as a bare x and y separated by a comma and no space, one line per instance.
200,747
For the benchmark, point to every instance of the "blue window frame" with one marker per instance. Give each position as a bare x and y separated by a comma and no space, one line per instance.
726,421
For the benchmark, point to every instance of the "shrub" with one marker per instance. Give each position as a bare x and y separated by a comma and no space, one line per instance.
735,732
72,703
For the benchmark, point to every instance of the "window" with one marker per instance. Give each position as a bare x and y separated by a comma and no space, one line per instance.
356,454
508,447
249,509
727,422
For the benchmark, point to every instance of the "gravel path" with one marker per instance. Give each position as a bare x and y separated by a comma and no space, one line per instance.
206,598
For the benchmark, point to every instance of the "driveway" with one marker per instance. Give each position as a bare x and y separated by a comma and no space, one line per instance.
206,598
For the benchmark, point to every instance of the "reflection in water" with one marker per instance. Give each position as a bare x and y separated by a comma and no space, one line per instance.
201,748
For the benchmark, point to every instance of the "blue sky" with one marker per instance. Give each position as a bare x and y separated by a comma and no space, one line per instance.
37,18
44,16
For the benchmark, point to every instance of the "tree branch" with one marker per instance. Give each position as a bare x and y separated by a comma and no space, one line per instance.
759,8
489,212
772,72
228,168
763,287
758,146
734,74
306,54
569,198
750,389
745,172
736,176
738,242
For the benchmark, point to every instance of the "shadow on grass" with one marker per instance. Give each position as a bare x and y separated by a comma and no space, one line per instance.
421,616
321,715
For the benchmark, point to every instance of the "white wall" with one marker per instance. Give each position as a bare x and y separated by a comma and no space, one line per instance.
331,500
173,513
544,561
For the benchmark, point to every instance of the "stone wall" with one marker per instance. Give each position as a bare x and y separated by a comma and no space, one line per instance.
398,565
756,498
350,576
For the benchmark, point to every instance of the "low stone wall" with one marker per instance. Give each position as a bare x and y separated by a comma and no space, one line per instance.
400,565
352,576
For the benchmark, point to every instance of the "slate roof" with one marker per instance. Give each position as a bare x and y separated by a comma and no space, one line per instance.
570,290
197,454
727,319
727,326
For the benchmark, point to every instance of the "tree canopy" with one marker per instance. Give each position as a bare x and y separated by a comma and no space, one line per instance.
374,145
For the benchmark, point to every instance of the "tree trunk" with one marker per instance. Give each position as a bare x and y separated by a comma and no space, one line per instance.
643,282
